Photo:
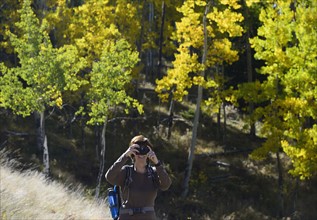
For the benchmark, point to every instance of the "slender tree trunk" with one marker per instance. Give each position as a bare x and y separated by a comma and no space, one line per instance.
102,158
46,160
219,123
83,124
170,120
219,127
149,51
249,62
170,116
161,40
250,79
83,134
280,186
224,135
140,43
41,140
224,131
97,140
40,130
191,152
295,195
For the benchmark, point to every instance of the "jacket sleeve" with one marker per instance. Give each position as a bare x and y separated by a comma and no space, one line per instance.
116,173
164,179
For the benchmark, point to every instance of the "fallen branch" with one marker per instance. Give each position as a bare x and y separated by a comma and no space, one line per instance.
220,178
3,144
225,153
13,133
126,118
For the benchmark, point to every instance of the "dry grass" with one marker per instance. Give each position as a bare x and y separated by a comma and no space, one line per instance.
29,195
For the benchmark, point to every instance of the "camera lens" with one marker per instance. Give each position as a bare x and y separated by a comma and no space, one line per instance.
142,150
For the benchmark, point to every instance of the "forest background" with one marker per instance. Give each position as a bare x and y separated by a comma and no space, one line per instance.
225,90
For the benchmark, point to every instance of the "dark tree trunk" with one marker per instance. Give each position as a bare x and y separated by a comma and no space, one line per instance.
83,134
40,130
219,123
161,40
140,42
97,140
83,123
280,186
249,62
250,79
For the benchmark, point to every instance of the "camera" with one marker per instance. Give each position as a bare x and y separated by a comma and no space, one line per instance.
143,149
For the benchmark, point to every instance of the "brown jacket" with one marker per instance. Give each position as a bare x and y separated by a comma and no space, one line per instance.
141,192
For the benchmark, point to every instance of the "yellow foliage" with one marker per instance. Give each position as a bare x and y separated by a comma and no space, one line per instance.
231,3
87,26
220,52
200,3
188,69
210,83
271,144
59,102
198,80
303,158
189,31
249,3
227,21
287,43
178,77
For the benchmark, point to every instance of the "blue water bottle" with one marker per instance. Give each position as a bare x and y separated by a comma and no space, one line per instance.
113,202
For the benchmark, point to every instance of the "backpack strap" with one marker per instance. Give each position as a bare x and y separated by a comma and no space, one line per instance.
153,174
116,188
128,180
128,176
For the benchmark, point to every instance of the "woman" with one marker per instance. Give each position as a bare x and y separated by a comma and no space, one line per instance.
139,182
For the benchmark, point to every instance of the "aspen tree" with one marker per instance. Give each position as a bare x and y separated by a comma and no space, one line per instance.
222,23
42,74
287,42
108,79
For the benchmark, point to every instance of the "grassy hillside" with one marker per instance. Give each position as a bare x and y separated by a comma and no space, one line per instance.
29,195
225,183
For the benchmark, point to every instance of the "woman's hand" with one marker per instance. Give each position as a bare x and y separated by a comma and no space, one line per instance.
131,150
152,156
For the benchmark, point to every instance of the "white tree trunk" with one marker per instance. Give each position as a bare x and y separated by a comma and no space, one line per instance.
191,151
41,140
46,160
